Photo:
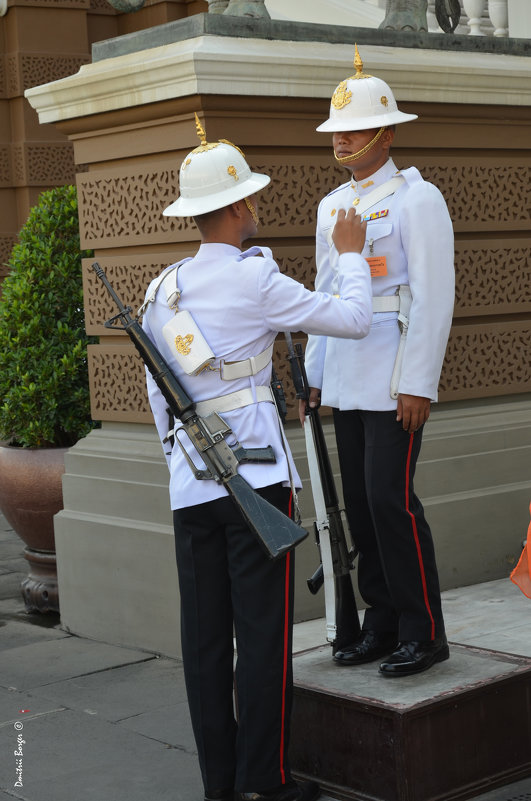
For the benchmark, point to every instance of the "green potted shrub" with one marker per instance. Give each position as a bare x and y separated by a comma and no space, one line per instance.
44,390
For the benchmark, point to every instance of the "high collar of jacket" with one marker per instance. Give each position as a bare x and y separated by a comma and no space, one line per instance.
367,185
208,250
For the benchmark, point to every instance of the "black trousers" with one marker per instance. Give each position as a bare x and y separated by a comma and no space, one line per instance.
228,583
397,572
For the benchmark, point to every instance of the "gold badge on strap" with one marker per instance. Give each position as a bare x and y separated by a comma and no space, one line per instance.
183,344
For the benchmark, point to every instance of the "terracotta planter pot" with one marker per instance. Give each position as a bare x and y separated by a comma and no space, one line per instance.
30,495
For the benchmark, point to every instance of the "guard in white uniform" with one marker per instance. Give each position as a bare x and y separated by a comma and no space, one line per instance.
381,387
238,301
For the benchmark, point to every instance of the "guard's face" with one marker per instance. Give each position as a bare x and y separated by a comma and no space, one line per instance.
348,143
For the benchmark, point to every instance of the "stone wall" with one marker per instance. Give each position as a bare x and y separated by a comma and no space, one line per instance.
43,41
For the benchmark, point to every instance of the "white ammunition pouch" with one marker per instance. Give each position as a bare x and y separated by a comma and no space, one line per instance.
401,303
182,334
187,343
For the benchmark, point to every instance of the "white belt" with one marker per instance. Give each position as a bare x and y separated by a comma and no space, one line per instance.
246,367
386,303
234,400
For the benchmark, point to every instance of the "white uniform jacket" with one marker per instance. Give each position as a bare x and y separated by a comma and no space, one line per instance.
240,301
413,231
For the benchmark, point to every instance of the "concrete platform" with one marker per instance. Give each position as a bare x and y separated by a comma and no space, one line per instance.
449,733
456,731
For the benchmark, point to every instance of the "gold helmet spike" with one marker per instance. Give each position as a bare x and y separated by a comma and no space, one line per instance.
200,130
358,63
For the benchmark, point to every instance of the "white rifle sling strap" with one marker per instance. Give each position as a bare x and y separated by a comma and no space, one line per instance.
401,303
405,298
380,193
322,524
376,196
182,334
156,286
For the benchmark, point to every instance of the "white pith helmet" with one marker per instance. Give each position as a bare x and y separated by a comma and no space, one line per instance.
212,176
361,102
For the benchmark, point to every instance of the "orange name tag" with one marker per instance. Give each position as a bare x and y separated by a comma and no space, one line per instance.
378,265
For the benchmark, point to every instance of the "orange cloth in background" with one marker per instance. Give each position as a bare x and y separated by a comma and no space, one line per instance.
521,574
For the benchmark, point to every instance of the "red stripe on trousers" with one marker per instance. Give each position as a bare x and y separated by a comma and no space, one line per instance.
285,666
285,670
416,536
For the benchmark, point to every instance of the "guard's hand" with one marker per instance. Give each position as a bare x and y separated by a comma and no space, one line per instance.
349,232
315,402
413,410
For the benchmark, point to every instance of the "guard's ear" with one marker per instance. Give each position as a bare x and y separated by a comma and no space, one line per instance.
388,135
236,208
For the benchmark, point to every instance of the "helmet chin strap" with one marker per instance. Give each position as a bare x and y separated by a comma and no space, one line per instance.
360,153
252,209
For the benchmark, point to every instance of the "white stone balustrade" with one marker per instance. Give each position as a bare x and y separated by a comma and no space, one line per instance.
479,17
499,16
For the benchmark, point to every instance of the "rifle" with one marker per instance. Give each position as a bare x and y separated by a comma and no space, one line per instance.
276,532
279,396
337,559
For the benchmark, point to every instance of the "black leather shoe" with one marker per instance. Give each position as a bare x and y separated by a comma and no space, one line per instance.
220,795
369,646
293,791
413,657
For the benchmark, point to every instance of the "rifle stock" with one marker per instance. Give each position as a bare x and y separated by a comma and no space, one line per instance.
347,626
275,532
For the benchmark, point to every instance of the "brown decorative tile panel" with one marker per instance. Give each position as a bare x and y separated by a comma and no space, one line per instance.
27,70
130,201
19,165
486,360
6,246
484,196
43,164
3,90
117,384
129,275
288,205
493,278
50,163
124,208
5,166
12,83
